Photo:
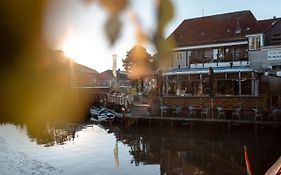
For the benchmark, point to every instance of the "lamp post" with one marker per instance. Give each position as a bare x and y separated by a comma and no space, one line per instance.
160,85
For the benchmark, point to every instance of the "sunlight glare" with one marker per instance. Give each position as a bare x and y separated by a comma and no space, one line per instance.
79,50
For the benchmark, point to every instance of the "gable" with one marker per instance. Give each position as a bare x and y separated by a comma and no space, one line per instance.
273,34
220,28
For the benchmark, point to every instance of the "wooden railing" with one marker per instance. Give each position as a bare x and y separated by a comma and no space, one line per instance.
103,83
244,102
120,99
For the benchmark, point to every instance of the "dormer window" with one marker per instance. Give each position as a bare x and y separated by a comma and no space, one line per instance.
255,42
238,28
238,31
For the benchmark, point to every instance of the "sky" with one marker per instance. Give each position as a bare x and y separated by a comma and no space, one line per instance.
77,27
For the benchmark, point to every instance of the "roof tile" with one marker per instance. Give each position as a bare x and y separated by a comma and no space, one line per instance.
215,29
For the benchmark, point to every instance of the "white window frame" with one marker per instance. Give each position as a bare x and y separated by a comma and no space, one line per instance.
252,41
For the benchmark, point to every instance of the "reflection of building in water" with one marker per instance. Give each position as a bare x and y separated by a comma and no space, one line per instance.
50,134
116,157
184,152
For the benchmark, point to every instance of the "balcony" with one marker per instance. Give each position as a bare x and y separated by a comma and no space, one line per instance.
220,64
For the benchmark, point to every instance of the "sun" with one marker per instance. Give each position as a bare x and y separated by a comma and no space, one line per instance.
79,50
90,52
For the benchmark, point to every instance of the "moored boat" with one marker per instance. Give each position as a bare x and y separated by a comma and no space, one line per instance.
275,169
101,115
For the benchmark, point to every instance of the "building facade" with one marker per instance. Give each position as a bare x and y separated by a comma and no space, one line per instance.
267,59
228,43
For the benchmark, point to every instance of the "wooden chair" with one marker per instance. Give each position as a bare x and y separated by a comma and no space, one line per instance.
205,112
192,111
163,110
258,114
177,110
275,115
236,114
221,113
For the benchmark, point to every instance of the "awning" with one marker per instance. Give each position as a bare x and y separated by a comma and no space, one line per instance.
273,72
206,70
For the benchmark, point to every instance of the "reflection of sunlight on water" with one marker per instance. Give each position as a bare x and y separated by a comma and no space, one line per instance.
116,157
93,149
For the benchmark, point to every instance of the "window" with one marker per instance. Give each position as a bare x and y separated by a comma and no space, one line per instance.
276,39
251,44
258,43
186,58
254,42
179,56
221,54
215,54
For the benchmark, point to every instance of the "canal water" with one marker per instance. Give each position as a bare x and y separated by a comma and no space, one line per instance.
87,148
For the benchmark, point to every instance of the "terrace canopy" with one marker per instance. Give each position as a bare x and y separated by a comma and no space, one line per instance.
227,81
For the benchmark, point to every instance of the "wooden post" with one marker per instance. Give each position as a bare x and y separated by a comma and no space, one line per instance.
212,108
253,84
167,85
239,80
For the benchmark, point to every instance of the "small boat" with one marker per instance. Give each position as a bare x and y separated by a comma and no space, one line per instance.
95,111
100,115
275,169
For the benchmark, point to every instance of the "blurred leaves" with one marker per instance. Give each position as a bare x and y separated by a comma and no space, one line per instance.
140,35
113,25
112,28
163,46
34,82
164,15
114,6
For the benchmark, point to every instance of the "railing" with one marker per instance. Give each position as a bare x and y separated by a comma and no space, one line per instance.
220,64
121,99
104,83
244,102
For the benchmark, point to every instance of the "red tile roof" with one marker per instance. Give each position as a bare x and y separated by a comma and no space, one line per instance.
267,23
84,69
215,29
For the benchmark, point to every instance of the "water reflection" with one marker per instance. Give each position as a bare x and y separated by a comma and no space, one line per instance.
181,151
116,156
48,133
177,150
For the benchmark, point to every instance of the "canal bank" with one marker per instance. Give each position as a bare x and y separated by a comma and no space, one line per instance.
197,123
140,115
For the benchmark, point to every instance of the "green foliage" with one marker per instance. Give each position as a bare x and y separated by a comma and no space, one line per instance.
133,91
35,83
136,58
113,25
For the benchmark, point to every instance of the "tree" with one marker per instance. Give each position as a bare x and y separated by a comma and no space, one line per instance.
137,62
